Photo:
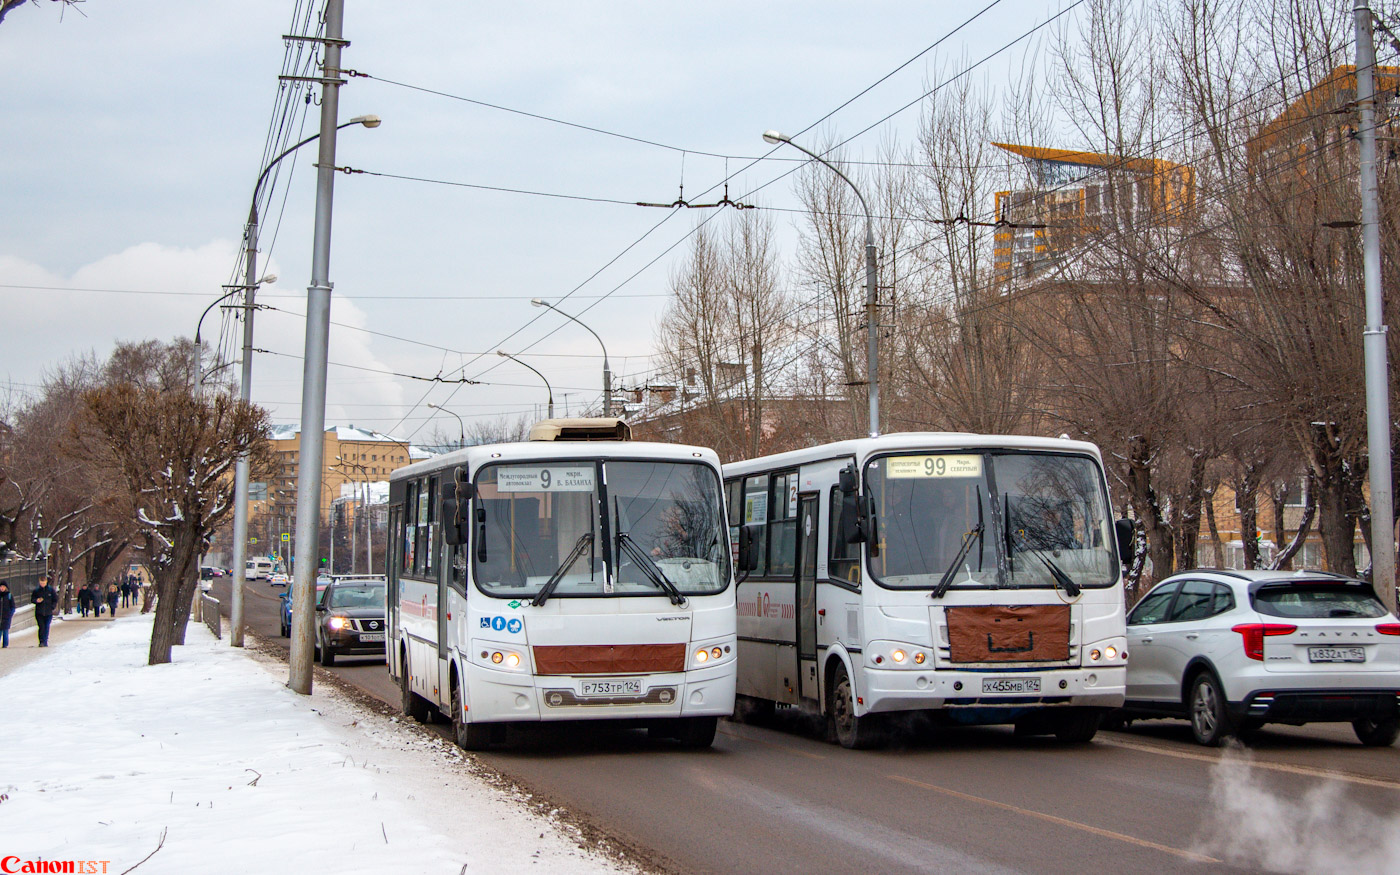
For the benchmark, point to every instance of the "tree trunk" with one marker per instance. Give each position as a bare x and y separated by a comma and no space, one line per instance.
1217,548
184,604
1148,508
1188,517
1334,521
1247,500
1285,556
169,581
1277,494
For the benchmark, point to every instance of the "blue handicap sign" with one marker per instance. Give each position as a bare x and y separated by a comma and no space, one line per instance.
486,622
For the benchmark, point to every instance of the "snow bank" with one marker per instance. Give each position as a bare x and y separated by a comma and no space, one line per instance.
103,754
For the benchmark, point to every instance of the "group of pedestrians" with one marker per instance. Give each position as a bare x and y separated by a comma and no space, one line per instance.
45,601
90,598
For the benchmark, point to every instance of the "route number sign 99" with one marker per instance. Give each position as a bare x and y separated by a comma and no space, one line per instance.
907,467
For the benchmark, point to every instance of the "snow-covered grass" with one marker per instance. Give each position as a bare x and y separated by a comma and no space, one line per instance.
103,755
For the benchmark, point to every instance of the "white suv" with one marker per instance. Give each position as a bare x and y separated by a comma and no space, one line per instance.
1233,650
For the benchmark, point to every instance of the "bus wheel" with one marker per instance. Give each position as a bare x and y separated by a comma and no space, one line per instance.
696,733
1077,727
413,705
469,736
851,731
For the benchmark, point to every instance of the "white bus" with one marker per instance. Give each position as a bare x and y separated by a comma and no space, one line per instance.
569,578
971,578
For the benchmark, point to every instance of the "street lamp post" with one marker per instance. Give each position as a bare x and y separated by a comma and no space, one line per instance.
504,354
461,429
241,471
872,349
607,369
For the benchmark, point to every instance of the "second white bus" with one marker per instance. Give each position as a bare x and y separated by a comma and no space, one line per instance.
974,578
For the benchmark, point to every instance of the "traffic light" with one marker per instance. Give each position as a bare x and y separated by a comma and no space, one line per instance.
323,560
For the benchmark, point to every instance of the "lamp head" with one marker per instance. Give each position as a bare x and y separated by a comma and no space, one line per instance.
537,302
267,279
775,137
369,121
502,353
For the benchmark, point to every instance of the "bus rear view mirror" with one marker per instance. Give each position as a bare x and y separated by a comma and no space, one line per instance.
846,480
1126,533
748,552
452,528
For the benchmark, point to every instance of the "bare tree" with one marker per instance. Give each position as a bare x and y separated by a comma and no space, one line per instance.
173,454
7,5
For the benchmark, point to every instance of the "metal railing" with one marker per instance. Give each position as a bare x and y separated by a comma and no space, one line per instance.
209,614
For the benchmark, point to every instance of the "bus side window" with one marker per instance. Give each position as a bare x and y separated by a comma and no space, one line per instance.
410,519
756,511
782,536
843,556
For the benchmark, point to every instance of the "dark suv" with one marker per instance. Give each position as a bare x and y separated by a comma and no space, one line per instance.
351,619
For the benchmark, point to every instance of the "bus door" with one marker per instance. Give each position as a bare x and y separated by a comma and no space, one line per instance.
808,518
391,600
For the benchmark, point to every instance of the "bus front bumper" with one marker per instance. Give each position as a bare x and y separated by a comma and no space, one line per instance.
911,690
503,696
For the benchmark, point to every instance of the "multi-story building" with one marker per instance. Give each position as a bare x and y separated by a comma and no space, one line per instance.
1069,195
353,458
1326,115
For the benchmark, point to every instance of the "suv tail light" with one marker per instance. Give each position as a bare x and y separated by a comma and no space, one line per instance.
1388,628
1253,634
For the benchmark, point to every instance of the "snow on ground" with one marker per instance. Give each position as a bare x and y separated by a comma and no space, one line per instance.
103,754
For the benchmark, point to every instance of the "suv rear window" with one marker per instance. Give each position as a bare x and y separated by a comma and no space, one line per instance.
1318,601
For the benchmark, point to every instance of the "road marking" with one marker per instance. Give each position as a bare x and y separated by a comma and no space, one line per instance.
1072,824
1305,771
783,747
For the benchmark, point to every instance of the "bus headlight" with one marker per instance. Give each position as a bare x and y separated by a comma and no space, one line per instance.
899,655
508,659
702,655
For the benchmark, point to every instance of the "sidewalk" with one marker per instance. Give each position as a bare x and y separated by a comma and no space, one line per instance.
24,646
212,760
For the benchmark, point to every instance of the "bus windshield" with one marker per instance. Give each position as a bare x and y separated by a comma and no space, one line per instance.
544,525
978,520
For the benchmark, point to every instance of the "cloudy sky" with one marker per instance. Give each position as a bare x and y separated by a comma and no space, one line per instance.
133,134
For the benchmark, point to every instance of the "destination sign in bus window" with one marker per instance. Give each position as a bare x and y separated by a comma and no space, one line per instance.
906,467
545,478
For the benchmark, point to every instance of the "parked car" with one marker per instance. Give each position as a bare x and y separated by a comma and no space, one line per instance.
286,598
351,619
1233,650
209,572
279,579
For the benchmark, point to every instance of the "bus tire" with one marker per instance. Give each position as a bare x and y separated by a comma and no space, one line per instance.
696,733
412,705
851,731
1078,726
469,736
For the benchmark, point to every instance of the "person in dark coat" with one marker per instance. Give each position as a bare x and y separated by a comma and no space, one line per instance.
112,599
84,600
45,599
7,612
126,592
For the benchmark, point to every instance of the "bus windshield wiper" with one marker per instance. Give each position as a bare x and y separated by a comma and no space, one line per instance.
585,540
1064,581
977,531
652,570
946,580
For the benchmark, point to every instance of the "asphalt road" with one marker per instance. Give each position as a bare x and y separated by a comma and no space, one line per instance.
779,798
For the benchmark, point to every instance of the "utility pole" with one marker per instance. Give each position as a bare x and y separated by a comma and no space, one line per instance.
1377,368
313,387
240,470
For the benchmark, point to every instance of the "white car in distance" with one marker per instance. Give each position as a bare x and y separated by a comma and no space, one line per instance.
1233,650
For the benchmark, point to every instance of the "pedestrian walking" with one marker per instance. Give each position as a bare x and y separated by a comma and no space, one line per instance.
7,612
95,596
125,590
84,600
45,598
112,599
